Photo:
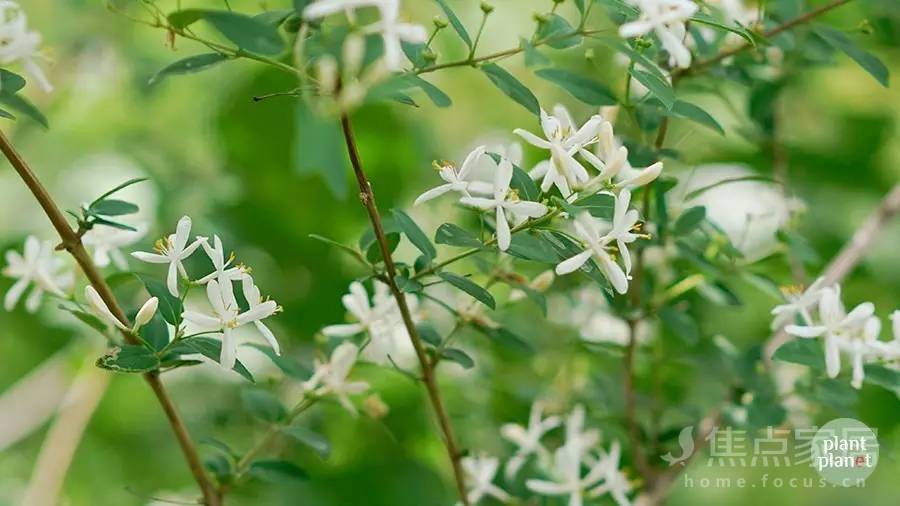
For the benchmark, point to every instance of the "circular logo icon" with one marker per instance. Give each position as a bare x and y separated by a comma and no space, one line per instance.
844,452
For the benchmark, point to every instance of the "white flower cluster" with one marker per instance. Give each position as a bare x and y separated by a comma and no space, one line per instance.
35,266
665,18
381,320
578,469
855,334
393,31
226,315
566,143
331,377
17,44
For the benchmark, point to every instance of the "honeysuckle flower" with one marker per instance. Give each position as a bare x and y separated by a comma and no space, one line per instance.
563,141
860,347
106,243
99,308
172,250
19,44
227,317
633,178
36,266
223,271
835,325
324,8
505,200
394,33
798,303
568,478
480,472
381,320
738,12
331,377
890,350
255,300
623,227
578,439
666,19
457,181
527,439
615,483
591,232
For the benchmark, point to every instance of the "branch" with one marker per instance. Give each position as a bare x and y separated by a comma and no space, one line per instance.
367,196
787,25
71,242
850,255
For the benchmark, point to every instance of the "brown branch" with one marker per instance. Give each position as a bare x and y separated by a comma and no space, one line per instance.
634,431
71,242
367,196
850,255
787,25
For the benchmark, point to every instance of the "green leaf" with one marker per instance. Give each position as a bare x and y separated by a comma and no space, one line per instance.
373,253
408,285
247,33
869,62
263,405
558,33
705,19
209,348
274,18
583,88
319,149
689,220
435,94
119,188
600,205
10,82
644,63
108,223
7,115
429,334
314,440
690,111
189,65
414,233
806,352
88,319
458,356
680,324
533,247
276,471
129,358
533,57
884,377
24,107
113,207
453,235
506,338
299,5
658,88
455,23
511,86
287,365
470,287
156,333
170,307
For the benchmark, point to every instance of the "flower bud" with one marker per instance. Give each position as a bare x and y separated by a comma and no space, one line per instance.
327,71
486,8
439,22
375,407
645,176
100,308
146,313
354,51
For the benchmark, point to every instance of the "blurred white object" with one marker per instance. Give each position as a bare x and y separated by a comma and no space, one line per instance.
31,401
749,212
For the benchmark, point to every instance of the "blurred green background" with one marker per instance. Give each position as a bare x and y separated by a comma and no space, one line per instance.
230,163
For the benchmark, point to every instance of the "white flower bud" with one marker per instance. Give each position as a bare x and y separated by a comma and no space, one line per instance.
146,313
100,308
644,176
327,69
354,51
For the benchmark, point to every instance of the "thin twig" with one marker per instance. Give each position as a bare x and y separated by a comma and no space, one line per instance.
71,242
367,196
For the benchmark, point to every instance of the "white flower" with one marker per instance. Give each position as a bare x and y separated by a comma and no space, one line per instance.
798,304
590,231
106,244
666,19
615,482
227,317
394,33
609,156
324,8
624,222
563,141
223,272
862,346
255,300
18,44
457,181
331,377
527,439
632,178
835,324
569,481
381,320
480,472
39,267
172,250
99,308
581,441
505,200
